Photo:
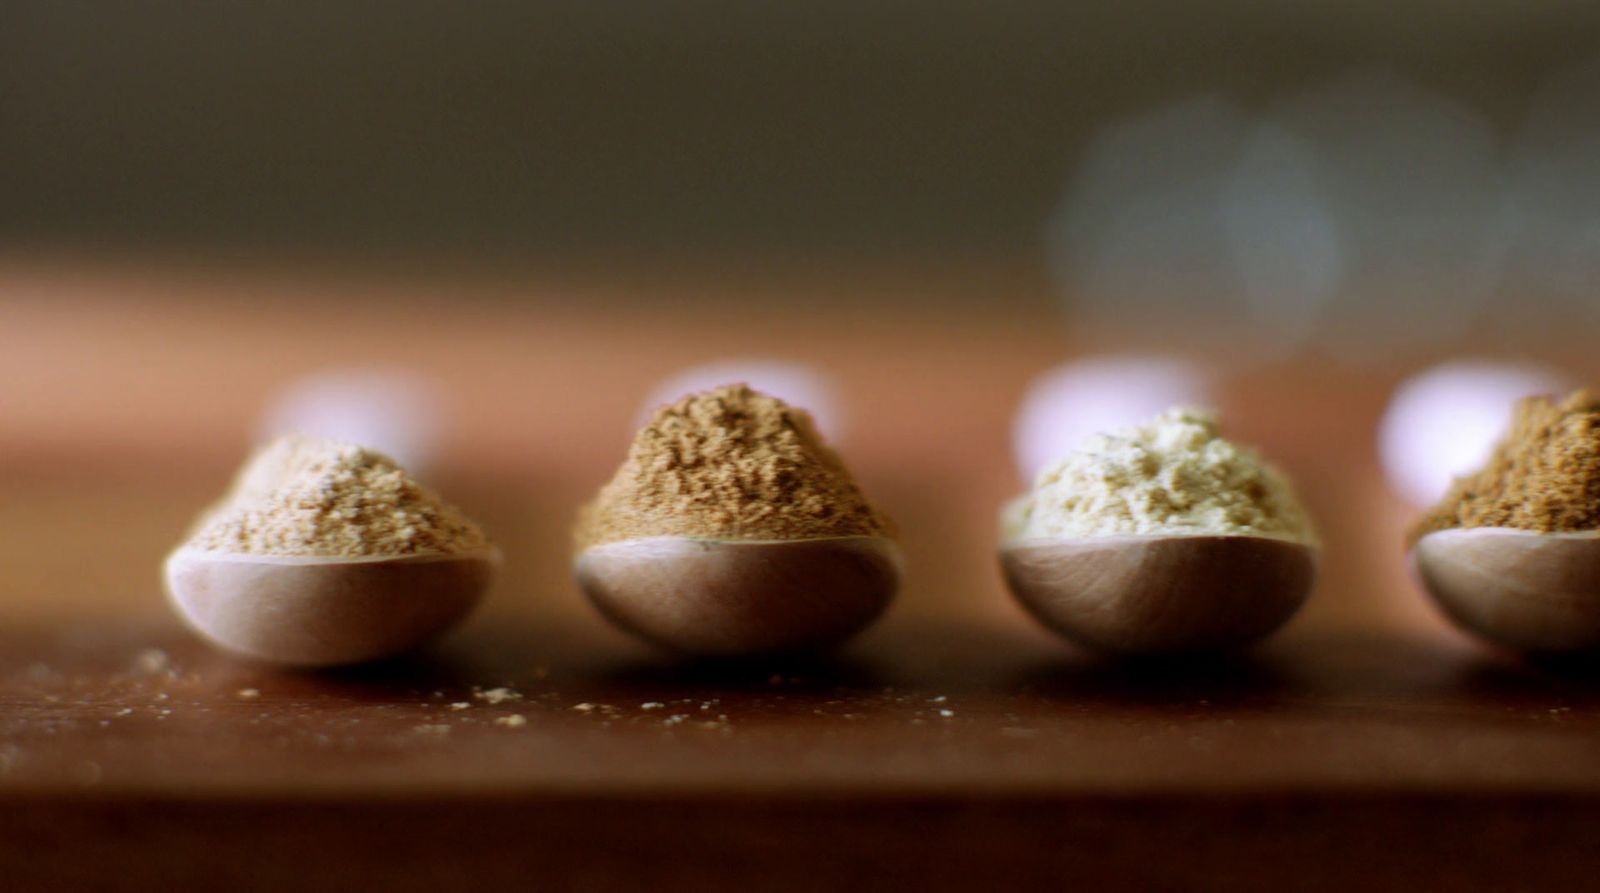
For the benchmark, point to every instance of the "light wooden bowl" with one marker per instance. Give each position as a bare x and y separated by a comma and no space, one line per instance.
730,598
1531,591
1161,594
314,612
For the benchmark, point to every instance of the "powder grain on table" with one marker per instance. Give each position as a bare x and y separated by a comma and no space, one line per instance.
307,496
1544,475
729,464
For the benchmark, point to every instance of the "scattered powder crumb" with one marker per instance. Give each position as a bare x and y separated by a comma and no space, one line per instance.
153,660
730,463
309,496
515,720
583,708
126,711
674,719
947,713
651,705
938,699
249,694
432,729
498,695
460,705
1544,475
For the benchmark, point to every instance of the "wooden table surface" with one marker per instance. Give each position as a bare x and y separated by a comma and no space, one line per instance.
954,744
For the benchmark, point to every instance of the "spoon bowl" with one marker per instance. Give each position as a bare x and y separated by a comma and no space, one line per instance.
321,611
1161,594
740,598
1531,591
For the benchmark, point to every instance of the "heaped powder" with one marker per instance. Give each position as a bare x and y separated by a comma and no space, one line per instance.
307,496
1172,475
1544,475
729,464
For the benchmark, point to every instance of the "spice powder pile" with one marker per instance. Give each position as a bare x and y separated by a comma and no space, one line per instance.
1175,474
1544,476
307,496
731,463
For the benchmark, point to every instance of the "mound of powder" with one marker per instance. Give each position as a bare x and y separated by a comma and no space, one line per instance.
729,464
312,497
1174,474
1544,475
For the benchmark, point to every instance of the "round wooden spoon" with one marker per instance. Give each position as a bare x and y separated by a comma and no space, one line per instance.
314,611
1160,594
731,598
1535,592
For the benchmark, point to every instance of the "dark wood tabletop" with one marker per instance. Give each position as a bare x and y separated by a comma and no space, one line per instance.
955,744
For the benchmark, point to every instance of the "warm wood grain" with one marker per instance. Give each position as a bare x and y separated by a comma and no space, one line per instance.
1535,592
741,599
324,613
953,745
1152,595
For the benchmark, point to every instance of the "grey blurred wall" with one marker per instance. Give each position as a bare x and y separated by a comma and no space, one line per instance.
629,127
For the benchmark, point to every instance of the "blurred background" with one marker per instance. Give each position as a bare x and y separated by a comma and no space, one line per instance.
1301,167
494,234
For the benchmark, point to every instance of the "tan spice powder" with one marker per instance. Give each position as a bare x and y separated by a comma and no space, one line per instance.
729,464
306,496
1544,476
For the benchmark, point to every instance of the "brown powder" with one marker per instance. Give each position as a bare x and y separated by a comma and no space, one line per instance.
1544,476
729,464
307,496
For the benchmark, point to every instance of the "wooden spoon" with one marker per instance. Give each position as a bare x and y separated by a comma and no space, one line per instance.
1157,594
730,598
316,611
1535,592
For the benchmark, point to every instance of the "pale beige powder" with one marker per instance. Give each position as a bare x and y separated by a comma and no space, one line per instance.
307,496
1172,475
